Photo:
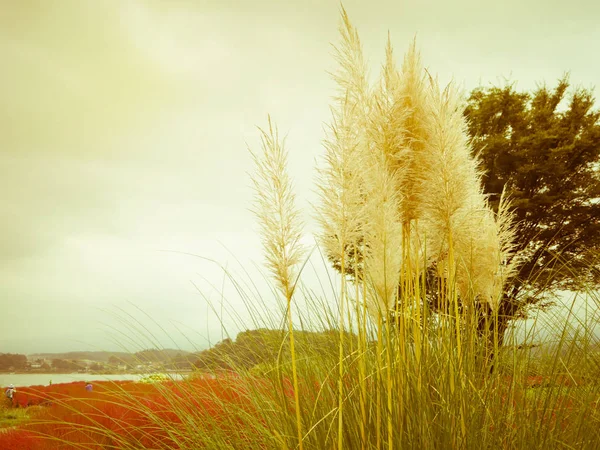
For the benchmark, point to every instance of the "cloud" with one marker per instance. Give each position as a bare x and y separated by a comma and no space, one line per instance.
71,78
123,128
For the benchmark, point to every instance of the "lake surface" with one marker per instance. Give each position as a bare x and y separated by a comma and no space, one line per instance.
43,379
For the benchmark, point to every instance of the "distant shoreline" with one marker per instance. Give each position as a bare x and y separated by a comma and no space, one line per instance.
118,372
47,379
68,372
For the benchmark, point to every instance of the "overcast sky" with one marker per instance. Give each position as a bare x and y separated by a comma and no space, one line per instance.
124,124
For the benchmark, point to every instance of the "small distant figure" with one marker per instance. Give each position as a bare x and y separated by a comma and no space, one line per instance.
89,387
50,383
10,394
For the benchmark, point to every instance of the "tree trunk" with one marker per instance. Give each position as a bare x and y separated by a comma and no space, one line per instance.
487,326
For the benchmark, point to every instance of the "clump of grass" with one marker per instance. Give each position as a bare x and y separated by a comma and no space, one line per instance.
10,417
405,221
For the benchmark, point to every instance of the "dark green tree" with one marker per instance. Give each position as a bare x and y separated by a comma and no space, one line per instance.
544,147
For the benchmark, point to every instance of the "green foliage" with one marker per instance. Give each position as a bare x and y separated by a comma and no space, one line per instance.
154,378
544,147
10,417
264,348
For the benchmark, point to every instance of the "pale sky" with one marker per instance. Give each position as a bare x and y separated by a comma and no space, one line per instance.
124,124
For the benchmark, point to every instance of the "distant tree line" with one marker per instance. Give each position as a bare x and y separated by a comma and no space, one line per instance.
97,361
265,347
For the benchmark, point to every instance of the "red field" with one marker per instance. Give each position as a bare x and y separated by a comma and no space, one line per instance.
158,415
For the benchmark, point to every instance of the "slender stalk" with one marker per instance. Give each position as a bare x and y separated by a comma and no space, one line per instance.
361,325
295,374
379,380
341,357
389,385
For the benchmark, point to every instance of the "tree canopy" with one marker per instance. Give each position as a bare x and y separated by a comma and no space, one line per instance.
544,147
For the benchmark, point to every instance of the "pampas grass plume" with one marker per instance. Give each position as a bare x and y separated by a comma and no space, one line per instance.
281,227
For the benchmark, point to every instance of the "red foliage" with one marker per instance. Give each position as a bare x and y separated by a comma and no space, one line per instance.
144,415
19,439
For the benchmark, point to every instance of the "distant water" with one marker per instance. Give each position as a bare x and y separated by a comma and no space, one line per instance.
43,379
